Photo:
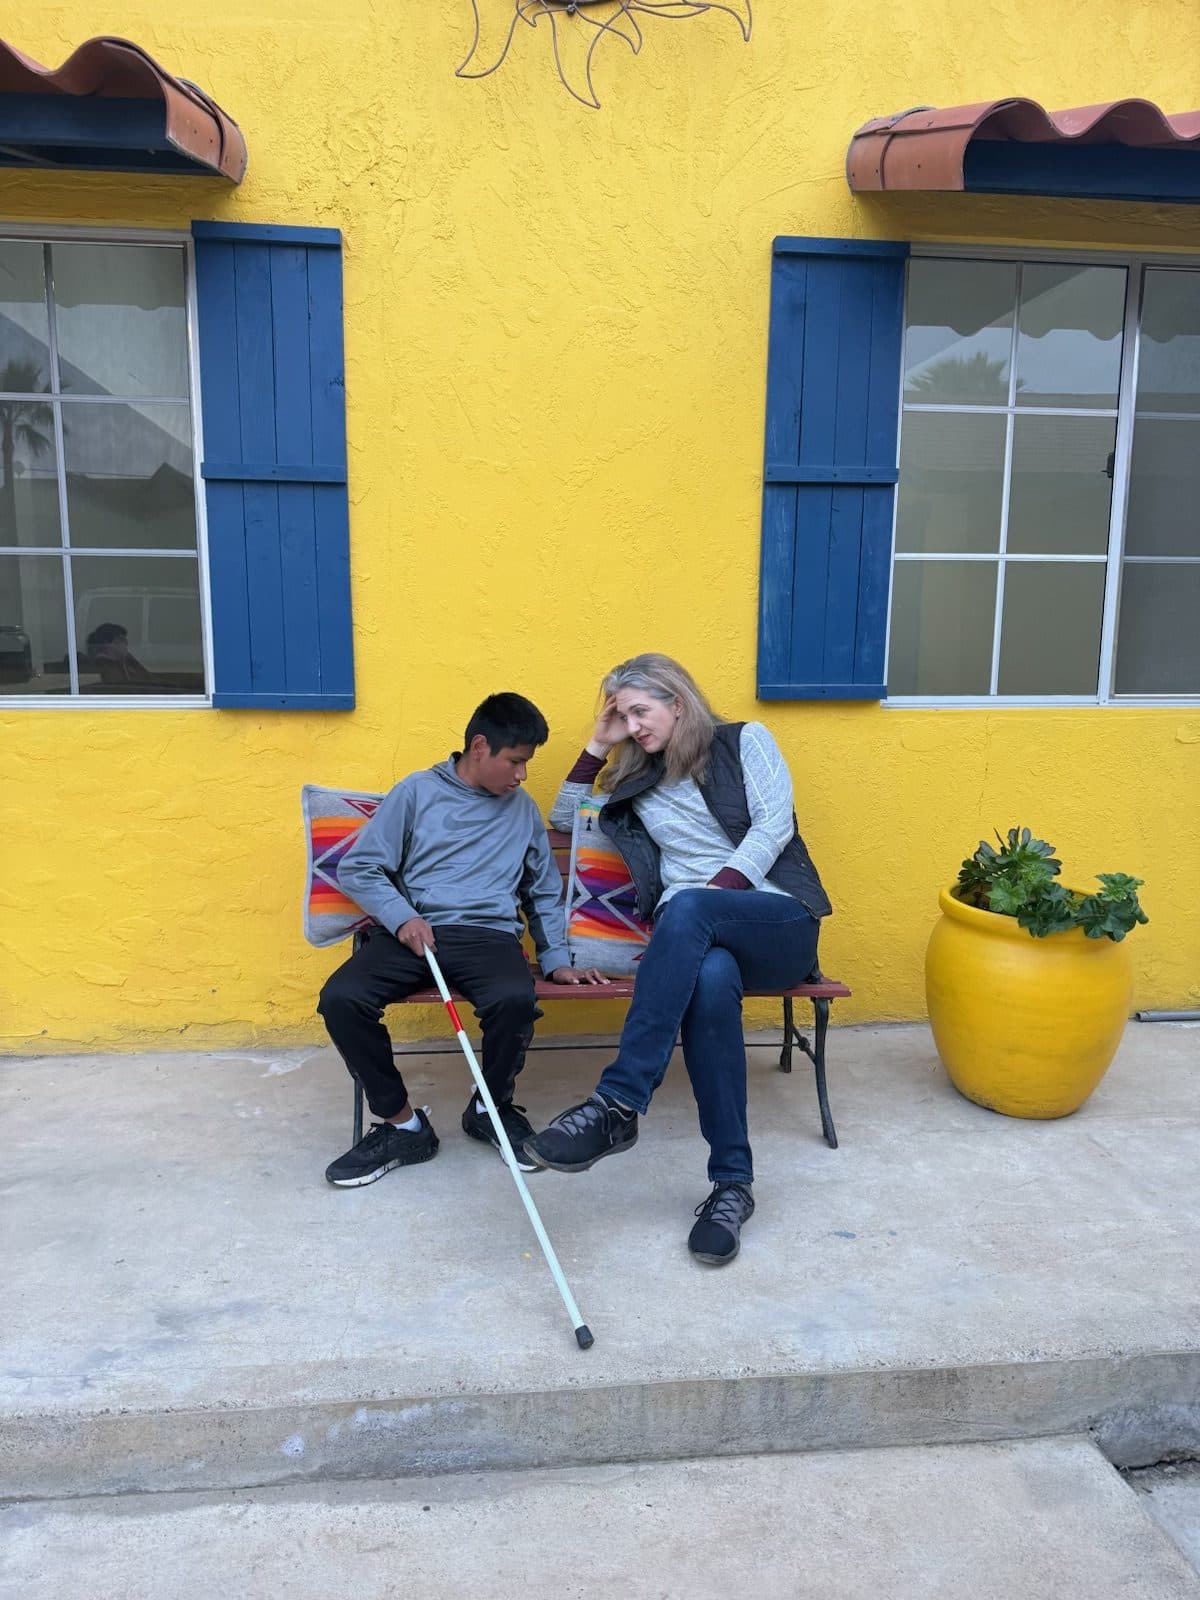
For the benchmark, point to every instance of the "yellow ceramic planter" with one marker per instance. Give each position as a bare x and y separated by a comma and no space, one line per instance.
1024,1026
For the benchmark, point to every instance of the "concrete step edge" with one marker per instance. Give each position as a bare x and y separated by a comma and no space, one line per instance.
1139,1408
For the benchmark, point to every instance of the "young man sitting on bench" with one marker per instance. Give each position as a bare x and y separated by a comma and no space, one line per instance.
446,861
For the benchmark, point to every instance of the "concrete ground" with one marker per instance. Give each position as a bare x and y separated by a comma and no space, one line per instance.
1172,1494
189,1305
1039,1520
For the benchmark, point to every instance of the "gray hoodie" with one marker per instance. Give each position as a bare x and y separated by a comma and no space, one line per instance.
458,856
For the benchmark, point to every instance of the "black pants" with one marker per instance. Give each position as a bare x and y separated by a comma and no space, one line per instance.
487,966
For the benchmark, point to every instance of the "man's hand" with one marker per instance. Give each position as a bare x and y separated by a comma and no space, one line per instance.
416,934
578,975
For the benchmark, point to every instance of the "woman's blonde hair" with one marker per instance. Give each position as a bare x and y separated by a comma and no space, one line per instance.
686,755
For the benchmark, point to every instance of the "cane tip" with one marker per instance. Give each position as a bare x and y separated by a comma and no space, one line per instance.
584,1337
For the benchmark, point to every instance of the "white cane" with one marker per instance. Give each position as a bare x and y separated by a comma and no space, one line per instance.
583,1334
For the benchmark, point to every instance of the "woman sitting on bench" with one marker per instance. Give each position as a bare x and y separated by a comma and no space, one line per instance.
701,812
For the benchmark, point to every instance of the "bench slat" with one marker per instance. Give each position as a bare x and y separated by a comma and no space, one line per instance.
622,989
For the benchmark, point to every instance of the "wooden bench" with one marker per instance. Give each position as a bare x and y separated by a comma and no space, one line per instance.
822,992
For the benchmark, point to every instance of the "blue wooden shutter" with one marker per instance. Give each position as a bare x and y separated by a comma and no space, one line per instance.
829,481
272,385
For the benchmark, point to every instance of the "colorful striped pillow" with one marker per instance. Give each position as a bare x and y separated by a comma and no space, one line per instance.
332,820
603,927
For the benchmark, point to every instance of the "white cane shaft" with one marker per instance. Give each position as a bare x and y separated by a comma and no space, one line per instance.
437,975
506,1149
510,1158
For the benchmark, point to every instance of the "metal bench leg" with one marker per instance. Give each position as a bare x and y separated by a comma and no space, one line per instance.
789,1028
821,1009
816,1054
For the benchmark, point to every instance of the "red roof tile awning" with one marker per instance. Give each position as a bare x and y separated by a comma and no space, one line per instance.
111,107
1121,150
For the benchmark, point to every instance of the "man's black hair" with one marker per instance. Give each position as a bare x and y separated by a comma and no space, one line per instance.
506,720
105,634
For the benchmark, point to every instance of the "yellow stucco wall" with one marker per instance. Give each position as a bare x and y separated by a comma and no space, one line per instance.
556,334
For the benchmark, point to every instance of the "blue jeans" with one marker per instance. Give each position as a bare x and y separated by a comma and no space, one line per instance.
707,946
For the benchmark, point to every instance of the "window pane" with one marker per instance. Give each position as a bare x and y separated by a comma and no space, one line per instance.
1061,490
1169,356
24,324
951,482
122,328
959,337
1163,517
129,476
138,624
28,476
942,618
1050,633
33,626
1069,344
1158,641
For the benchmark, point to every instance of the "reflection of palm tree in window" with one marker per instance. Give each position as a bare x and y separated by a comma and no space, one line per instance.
974,379
19,425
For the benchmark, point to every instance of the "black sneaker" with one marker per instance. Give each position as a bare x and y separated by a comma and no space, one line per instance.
379,1150
716,1237
584,1135
478,1125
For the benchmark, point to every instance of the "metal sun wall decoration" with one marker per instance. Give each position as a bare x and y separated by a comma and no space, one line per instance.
617,19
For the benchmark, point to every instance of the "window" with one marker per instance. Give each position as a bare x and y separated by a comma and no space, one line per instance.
127,563
100,587
981,477
1047,540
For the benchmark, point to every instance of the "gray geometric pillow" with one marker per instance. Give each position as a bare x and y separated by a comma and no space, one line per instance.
333,819
603,927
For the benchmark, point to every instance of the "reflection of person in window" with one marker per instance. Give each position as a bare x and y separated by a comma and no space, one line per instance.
108,650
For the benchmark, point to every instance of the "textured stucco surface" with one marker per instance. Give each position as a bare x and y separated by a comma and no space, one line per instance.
556,332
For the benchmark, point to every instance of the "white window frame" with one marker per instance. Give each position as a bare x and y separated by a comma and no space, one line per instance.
1135,262
50,234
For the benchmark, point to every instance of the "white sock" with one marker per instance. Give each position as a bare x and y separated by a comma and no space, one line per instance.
480,1108
411,1126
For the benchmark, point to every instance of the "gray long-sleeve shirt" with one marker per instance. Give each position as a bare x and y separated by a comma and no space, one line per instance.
457,856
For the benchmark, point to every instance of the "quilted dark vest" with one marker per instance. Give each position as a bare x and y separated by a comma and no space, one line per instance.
723,787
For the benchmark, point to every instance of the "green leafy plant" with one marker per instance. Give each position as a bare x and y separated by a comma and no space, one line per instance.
1020,880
